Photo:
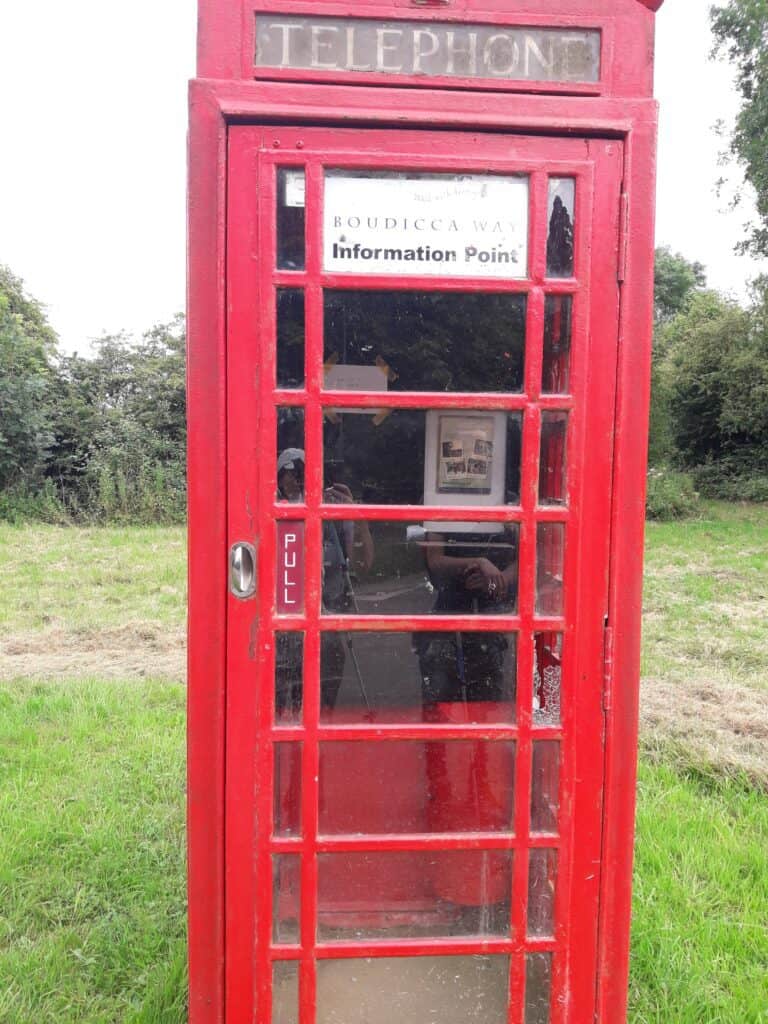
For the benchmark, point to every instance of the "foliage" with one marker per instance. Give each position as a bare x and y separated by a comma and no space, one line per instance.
676,280
120,428
741,32
27,346
716,368
101,438
671,495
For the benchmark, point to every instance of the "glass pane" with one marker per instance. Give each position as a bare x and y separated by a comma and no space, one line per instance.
405,786
290,338
449,225
542,883
286,896
290,488
287,789
285,992
562,202
290,453
290,218
414,990
424,341
289,678
550,558
538,988
385,568
411,893
556,371
547,678
552,466
418,457
463,678
545,786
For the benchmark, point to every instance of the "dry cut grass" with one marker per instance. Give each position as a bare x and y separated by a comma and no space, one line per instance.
705,640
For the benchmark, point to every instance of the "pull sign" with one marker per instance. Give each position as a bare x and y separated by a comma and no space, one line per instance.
290,568
242,570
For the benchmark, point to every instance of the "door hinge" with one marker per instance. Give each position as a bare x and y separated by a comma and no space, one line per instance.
607,667
621,272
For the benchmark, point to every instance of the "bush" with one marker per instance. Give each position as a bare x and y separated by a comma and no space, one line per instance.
671,495
20,505
731,480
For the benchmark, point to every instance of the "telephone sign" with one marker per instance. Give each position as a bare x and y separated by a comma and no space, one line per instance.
419,351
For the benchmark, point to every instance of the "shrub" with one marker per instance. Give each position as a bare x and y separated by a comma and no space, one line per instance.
732,480
671,495
21,505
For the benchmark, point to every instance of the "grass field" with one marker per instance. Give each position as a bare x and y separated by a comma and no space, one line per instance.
92,776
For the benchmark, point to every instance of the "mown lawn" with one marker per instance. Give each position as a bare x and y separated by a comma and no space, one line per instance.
92,787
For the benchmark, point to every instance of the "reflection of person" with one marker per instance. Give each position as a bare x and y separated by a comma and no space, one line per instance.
345,545
474,574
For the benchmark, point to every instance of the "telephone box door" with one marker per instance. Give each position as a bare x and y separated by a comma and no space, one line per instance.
422,350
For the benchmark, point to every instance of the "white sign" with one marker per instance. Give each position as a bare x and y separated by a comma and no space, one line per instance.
438,225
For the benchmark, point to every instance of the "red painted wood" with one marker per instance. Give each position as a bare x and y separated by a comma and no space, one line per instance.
207,534
626,580
227,34
560,157
229,792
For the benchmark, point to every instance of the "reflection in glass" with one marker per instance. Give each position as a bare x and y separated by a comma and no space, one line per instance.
545,786
290,453
561,217
285,992
413,786
552,465
542,882
401,677
538,988
550,560
434,568
426,341
286,896
290,218
411,893
289,678
290,338
413,457
287,789
414,990
556,370
547,678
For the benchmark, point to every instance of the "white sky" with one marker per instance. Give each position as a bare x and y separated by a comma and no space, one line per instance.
92,166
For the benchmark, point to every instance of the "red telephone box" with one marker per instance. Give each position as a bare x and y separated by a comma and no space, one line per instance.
420,293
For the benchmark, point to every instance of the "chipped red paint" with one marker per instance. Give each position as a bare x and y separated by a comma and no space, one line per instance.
603,134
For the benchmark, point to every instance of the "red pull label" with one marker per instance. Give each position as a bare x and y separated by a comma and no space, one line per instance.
290,568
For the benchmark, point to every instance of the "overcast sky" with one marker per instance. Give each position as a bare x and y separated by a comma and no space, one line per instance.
92,169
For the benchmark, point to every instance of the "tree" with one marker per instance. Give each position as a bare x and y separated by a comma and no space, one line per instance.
716,370
120,426
676,281
27,348
741,33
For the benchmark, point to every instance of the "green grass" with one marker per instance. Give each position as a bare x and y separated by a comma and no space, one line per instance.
91,852
700,932
79,578
706,596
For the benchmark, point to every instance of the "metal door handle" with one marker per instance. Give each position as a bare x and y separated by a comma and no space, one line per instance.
242,570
